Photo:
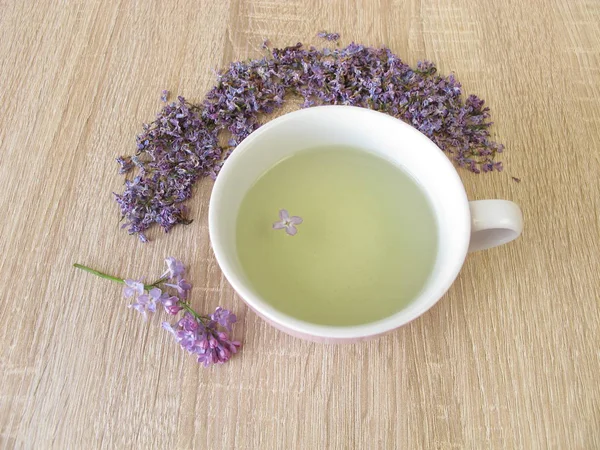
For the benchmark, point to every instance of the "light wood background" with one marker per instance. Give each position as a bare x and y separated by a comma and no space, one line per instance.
508,359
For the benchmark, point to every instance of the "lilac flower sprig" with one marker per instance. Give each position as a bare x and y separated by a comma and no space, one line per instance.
207,337
182,144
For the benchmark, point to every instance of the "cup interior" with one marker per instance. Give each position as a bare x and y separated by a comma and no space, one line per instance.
370,131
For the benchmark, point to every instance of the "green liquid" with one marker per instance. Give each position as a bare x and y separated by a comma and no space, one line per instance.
366,247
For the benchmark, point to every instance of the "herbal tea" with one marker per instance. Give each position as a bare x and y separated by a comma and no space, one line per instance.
336,236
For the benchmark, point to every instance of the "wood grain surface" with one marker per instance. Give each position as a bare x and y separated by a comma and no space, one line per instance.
508,359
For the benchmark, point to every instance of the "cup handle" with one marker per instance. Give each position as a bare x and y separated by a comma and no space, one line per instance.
493,223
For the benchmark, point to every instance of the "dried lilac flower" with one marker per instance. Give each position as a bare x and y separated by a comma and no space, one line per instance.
329,36
207,337
288,223
126,164
182,144
164,96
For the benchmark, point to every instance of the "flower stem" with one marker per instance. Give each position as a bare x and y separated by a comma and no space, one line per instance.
191,311
157,282
110,277
98,274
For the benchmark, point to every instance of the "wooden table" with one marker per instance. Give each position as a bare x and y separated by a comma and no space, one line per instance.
508,359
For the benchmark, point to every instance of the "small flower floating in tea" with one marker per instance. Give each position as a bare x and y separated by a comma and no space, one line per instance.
288,223
182,144
207,337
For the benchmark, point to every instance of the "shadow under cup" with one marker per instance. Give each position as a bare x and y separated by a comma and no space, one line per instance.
372,132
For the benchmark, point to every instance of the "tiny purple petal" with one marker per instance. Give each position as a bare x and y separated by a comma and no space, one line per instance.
139,308
171,304
126,164
291,230
187,339
224,317
182,286
284,215
137,287
173,309
175,268
296,220
155,293
278,225
170,301
167,326
189,323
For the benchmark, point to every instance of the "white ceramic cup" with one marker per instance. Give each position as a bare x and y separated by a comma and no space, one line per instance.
463,226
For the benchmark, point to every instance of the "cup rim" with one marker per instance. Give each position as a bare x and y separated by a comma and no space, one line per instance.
415,309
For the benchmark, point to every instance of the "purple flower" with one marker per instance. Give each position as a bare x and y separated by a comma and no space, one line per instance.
164,96
202,338
143,304
158,296
139,307
224,317
147,302
216,348
287,222
189,322
133,288
328,36
175,268
182,287
126,164
221,349
171,305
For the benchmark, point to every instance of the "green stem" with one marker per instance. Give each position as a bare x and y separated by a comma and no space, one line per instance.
99,274
191,311
157,282
110,277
